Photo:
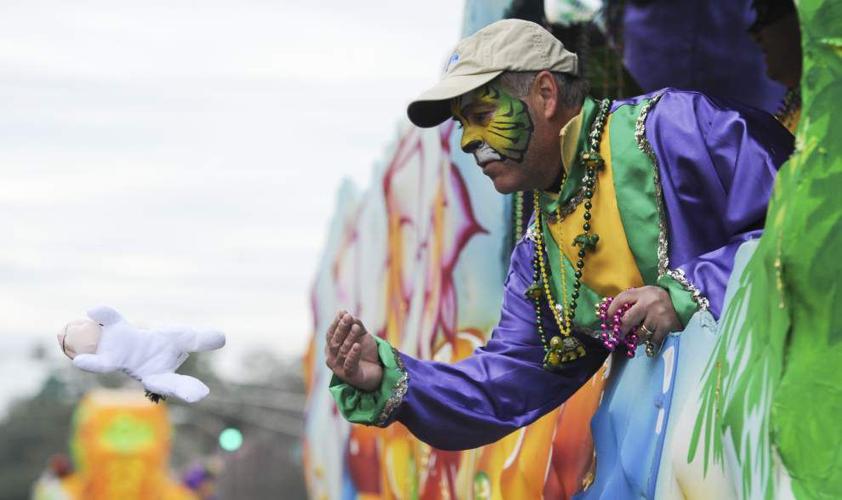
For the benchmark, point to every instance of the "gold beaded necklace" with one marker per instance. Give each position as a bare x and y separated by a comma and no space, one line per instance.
564,348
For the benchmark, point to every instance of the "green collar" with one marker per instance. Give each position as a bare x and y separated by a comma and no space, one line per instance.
551,201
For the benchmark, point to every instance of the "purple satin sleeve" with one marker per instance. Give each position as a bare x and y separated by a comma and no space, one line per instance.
717,163
502,386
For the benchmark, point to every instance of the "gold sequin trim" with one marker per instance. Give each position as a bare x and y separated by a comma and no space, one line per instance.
698,298
398,392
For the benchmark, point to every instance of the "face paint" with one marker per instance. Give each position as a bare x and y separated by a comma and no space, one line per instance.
486,153
496,125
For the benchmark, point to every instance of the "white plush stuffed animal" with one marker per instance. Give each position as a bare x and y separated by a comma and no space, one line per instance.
106,343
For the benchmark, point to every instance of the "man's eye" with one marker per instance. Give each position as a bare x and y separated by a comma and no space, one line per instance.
482,117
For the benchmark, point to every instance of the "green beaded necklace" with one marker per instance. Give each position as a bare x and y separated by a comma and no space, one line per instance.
564,348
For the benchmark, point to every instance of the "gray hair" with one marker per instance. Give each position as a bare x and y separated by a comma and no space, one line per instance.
572,89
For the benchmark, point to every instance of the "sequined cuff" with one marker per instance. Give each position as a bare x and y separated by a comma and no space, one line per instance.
377,407
686,298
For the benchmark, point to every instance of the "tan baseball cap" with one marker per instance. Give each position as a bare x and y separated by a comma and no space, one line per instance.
507,45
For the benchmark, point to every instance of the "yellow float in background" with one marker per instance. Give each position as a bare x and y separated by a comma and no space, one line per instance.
120,446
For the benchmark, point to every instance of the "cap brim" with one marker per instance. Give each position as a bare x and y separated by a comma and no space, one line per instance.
433,106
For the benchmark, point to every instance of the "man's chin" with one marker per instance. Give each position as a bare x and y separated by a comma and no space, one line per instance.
501,175
503,187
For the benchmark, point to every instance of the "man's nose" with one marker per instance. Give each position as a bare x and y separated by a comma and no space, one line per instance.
471,146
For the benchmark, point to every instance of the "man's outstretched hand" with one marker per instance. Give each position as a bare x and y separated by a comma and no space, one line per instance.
352,353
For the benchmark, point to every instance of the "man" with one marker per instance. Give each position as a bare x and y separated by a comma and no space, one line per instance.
776,31
623,191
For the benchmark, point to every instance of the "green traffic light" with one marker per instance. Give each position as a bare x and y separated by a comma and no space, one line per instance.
230,439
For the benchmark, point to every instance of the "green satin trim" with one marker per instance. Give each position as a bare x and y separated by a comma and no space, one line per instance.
574,176
682,299
634,183
376,407
643,217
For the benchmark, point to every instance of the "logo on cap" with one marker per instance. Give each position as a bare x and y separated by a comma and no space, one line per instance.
453,60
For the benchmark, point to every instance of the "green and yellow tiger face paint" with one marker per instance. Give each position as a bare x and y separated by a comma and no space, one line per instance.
496,125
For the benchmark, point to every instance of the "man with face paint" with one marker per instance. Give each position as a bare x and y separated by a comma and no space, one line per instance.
640,206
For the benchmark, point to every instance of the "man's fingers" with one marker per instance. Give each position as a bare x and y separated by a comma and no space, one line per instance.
633,317
653,343
647,329
332,328
352,360
359,322
354,337
655,324
330,355
342,330
627,297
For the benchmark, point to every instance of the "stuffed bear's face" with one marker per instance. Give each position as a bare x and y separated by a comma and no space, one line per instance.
80,336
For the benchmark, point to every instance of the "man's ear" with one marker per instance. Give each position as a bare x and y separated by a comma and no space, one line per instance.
545,94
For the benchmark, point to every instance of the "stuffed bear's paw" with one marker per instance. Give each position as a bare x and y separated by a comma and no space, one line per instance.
210,340
191,340
95,363
185,387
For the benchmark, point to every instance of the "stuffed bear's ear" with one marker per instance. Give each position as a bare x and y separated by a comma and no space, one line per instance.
105,315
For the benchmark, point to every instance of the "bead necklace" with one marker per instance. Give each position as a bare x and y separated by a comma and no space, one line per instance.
565,347
518,210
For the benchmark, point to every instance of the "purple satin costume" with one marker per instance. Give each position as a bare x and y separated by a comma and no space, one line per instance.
698,45
717,164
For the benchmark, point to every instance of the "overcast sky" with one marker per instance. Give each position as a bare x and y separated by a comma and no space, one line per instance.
179,160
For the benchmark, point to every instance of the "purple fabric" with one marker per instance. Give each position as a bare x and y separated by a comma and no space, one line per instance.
698,45
717,163
503,386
